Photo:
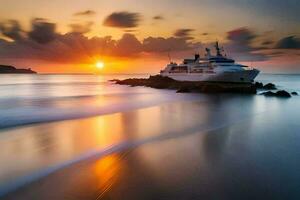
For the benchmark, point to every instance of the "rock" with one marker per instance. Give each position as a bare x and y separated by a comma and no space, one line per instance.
160,82
259,85
209,88
269,86
183,90
280,93
269,94
294,93
283,93
114,80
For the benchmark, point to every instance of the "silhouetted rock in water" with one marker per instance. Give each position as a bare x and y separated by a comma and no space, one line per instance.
294,93
280,93
269,94
113,80
269,86
5,69
259,85
161,82
283,93
183,90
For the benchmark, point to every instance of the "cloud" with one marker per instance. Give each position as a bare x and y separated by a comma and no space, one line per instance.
267,42
12,30
160,44
241,35
66,48
81,27
158,17
122,20
74,47
85,13
184,33
290,42
128,45
43,43
42,31
240,45
130,30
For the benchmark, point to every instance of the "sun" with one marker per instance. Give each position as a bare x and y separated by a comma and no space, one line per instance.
100,65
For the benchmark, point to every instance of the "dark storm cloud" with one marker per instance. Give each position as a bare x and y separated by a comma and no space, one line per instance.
85,13
42,31
122,20
81,27
12,30
183,33
290,42
158,17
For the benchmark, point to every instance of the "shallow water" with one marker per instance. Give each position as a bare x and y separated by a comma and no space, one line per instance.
27,99
157,144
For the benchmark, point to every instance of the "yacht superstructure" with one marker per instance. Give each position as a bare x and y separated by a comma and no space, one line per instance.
211,68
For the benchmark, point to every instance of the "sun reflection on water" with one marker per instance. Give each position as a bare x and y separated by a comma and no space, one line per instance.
107,171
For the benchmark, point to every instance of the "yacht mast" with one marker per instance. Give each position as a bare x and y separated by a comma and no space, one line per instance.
218,49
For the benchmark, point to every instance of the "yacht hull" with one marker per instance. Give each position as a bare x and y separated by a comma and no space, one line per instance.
245,76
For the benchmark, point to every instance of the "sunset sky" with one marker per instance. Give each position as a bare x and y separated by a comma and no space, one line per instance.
135,36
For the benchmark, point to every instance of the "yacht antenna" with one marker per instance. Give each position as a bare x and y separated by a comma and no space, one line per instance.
218,49
169,56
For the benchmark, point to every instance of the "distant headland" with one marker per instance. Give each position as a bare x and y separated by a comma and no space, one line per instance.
6,69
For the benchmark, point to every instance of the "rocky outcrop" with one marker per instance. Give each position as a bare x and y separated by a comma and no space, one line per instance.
268,86
259,85
294,93
183,90
160,82
6,69
280,93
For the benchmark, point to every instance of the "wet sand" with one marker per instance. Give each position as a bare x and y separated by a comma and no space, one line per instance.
222,147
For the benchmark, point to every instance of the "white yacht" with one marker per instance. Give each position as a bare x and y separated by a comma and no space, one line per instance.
211,68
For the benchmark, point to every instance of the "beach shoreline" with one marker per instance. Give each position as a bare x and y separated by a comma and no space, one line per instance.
125,155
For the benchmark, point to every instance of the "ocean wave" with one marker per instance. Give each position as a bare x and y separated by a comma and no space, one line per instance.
32,111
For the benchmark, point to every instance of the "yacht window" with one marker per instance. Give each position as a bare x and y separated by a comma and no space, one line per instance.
210,72
197,69
179,69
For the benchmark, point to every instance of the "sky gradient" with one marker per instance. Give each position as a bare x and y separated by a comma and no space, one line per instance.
135,36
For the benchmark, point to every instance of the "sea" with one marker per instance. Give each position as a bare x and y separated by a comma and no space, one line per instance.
145,143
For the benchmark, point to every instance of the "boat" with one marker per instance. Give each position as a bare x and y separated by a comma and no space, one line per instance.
210,68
